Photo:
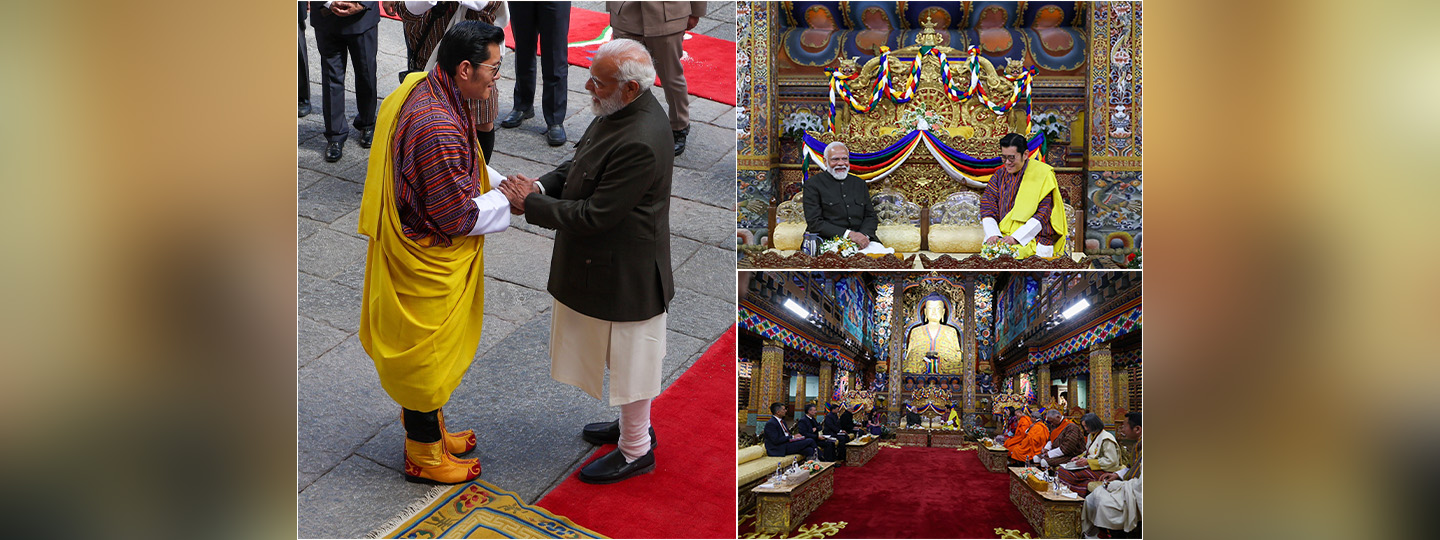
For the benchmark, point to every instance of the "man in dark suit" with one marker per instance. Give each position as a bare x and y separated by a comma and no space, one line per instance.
610,270
834,430
809,428
779,441
341,29
550,21
838,204
912,418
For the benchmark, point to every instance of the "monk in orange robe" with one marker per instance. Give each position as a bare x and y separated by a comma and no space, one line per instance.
1024,445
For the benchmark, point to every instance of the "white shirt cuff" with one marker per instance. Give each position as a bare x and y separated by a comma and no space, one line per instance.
540,187
991,228
473,5
419,8
1027,232
327,4
495,176
1122,471
494,213
1055,453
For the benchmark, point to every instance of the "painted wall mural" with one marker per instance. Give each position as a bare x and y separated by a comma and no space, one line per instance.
884,305
1112,205
1115,89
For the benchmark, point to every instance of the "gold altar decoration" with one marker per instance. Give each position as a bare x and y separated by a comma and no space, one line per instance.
969,126
790,224
859,401
899,219
955,224
1002,401
930,402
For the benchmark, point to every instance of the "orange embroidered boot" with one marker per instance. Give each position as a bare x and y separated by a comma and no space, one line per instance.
459,444
430,463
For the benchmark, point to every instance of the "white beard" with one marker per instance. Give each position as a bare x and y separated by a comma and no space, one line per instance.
840,172
606,107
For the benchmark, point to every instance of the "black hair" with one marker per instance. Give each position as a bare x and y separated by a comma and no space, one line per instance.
467,40
1092,422
1133,418
833,406
809,406
775,407
1016,141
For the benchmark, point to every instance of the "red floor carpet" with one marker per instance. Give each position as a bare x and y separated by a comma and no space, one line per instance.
691,494
919,493
709,62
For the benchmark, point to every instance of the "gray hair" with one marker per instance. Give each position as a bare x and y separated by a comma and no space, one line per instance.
633,62
834,145
1052,413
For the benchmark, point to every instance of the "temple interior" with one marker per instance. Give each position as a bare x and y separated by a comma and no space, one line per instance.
926,366
921,93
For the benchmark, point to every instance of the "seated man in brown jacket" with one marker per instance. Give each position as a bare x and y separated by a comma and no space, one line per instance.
1066,441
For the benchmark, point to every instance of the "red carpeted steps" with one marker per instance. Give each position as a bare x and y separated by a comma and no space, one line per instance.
919,493
691,494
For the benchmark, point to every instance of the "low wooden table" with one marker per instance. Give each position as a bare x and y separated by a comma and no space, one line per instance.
781,509
912,437
947,438
995,459
1052,516
857,454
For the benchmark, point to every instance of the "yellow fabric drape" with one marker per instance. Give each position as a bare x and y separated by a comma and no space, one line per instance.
1039,181
423,306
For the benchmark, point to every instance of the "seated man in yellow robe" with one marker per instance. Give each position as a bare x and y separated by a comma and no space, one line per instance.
1022,205
1022,447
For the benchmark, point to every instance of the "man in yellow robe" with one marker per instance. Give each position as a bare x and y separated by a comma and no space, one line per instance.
427,205
1024,446
1022,204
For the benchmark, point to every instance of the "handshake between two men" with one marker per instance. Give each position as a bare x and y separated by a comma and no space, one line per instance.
515,188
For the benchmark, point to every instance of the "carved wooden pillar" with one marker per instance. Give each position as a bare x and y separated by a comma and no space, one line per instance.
970,354
765,388
1102,395
800,393
1071,391
1122,388
827,383
1042,384
897,354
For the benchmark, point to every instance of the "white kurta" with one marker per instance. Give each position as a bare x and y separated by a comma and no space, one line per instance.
581,347
1117,506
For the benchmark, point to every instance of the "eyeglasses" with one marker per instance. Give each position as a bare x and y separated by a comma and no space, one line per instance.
597,82
1009,159
494,68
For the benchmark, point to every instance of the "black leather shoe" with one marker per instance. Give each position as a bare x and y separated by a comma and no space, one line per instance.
555,135
603,433
680,140
366,136
612,468
334,151
304,109
516,117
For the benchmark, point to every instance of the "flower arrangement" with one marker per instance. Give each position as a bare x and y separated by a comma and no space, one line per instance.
1050,124
998,249
839,244
920,117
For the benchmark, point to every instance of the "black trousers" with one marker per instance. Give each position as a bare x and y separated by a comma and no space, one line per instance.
804,447
827,449
304,61
360,49
840,446
551,22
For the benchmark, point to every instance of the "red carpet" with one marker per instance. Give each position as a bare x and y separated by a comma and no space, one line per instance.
691,493
919,493
709,62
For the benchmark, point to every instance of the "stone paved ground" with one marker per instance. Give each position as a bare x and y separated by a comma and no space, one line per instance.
528,426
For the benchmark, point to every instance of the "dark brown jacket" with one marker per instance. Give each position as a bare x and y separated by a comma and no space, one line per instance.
612,216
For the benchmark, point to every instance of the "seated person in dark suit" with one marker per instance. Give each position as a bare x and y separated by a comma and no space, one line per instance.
809,428
912,418
838,203
847,421
834,431
779,441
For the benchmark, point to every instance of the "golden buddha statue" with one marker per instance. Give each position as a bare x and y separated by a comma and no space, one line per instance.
933,347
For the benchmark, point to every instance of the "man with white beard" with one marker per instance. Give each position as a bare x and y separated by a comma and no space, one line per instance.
610,270
838,204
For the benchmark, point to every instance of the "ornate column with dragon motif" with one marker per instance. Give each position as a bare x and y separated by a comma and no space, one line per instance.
970,354
765,389
1042,385
827,382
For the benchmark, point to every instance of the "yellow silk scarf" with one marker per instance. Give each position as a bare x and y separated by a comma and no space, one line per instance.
423,306
1038,182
